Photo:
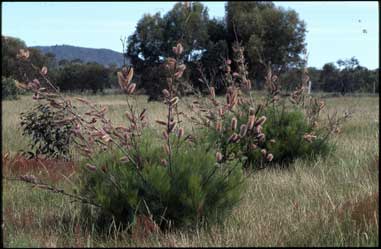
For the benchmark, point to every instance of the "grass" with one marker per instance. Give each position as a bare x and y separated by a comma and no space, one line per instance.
327,202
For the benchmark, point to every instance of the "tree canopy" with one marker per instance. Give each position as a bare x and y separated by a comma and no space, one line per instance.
155,35
11,66
268,33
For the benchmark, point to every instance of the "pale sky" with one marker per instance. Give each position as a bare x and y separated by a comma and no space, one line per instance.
335,29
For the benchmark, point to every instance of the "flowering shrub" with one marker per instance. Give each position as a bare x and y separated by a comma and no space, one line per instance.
124,175
233,128
267,131
297,129
285,130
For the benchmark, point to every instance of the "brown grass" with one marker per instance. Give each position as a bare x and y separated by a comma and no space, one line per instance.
363,212
144,228
48,169
375,165
23,219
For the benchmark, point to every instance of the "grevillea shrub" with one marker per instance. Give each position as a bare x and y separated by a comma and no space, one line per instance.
196,188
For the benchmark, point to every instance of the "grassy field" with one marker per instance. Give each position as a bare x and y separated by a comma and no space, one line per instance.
327,202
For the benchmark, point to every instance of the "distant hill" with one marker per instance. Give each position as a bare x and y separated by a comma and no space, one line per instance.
101,55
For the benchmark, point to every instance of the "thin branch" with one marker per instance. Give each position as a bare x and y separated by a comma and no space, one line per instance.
53,189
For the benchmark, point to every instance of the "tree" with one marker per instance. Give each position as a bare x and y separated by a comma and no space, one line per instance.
216,51
63,62
329,77
8,88
145,45
187,24
268,33
347,79
348,63
13,67
291,79
10,46
154,37
90,76
348,76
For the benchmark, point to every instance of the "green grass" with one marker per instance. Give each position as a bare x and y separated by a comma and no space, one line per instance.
295,207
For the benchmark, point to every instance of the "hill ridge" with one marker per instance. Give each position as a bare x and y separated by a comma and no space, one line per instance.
102,56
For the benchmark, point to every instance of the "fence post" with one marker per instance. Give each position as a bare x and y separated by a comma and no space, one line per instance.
309,87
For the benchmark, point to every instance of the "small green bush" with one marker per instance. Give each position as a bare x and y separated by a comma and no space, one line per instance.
288,127
48,137
9,90
196,190
284,128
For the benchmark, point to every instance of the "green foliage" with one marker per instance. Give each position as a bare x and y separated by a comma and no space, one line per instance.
291,79
192,190
287,127
329,77
79,77
348,76
155,36
284,125
268,33
9,48
8,88
216,52
48,137
12,67
343,77
154,81
187,24
72,76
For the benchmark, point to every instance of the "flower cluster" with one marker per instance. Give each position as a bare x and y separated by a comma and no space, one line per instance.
223,117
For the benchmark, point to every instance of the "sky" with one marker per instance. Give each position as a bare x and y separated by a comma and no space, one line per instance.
335,29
